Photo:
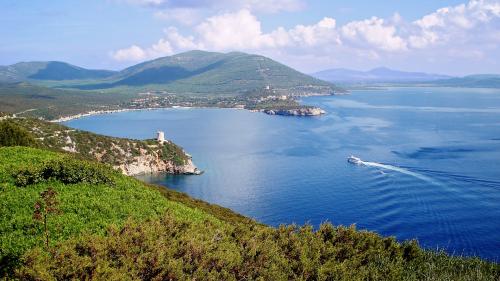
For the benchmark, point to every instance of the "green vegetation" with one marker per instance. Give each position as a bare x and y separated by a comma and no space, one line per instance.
90,146
51,90
66,170
130,230
28,100
14,135
209,72
85,207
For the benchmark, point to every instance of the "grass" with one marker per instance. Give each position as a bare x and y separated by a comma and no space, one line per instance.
131,230
85,207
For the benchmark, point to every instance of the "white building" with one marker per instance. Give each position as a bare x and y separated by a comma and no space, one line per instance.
160,136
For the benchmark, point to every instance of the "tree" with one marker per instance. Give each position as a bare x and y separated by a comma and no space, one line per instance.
46,205
12,134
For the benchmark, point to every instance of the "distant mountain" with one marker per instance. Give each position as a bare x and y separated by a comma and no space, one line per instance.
376,75
50,70
210,72
472,81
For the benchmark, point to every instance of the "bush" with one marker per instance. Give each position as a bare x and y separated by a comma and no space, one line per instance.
66,170
171,249
12,134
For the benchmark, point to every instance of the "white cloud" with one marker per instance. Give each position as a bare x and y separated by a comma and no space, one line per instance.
239,30
132,53
468,31
374,32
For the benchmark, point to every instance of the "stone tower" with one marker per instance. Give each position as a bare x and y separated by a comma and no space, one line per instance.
160,137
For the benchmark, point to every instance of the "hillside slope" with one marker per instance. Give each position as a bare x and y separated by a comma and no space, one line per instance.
49,70
113,227
131,157
26,99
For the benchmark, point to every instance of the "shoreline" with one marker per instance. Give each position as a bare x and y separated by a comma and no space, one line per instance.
101,112
110,111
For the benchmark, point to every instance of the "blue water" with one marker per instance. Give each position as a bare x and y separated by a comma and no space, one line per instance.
432,171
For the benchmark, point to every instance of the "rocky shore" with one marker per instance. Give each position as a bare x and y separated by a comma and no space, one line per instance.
131,157
306,111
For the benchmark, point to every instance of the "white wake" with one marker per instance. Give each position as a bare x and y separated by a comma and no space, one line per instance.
400,170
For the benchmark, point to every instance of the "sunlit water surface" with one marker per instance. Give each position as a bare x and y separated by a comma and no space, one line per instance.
432,162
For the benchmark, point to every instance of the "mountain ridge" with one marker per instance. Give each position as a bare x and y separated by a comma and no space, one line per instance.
193,71
210,72
49,70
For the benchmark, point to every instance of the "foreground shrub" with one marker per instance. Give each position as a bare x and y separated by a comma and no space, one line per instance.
171,249
66,170
12,134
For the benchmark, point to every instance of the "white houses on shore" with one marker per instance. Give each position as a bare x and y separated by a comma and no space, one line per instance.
160,137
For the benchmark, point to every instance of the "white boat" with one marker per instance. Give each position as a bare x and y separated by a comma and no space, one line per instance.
354,160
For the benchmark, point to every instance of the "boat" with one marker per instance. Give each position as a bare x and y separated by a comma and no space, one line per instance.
354,160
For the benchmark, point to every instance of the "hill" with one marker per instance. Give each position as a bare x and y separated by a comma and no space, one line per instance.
26,99
213,73
49,70
131,157
471,81
104,225
376,75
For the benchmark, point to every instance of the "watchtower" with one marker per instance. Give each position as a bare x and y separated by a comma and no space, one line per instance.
160,137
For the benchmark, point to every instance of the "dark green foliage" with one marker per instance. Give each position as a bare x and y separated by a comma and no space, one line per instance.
172,249
172,152
14,135
66,170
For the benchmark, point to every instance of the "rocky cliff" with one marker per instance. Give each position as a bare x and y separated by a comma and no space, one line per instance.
132,157
151,161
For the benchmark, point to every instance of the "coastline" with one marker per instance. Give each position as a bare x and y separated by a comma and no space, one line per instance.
284,112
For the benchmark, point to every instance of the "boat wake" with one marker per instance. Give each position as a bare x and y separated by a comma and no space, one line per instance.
358,161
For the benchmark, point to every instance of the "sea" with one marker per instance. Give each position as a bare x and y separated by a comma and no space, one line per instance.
430,165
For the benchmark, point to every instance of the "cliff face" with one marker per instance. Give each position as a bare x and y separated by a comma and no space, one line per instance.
131,157
151,162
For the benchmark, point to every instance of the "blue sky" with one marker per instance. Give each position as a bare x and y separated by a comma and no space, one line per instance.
451,37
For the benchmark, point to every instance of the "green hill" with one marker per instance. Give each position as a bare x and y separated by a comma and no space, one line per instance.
209,72
27,99
129,156
103,225
49,70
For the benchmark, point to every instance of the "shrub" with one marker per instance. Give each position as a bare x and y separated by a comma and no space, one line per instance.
174,153
66,170
171,249
12,134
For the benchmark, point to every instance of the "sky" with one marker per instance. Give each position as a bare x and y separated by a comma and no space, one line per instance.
439,36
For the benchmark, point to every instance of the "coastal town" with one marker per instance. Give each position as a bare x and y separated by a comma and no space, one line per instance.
269,101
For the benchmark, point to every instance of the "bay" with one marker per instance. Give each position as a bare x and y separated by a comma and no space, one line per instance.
432,162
